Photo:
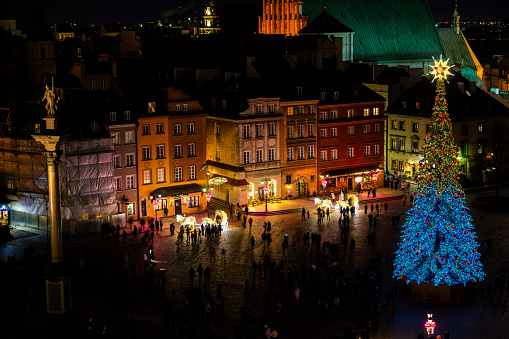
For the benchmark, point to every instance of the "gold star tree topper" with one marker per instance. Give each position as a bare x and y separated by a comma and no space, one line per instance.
441,69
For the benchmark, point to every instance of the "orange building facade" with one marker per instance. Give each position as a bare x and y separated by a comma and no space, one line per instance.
282,17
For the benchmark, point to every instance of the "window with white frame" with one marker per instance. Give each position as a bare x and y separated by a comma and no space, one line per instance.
289,132
349,131
366,112
259,108
300,110
300,152
177,151
298,91
322,95
323,133
129,137
334,114
145,129
127,115
118,183
300,131
161,175
272,154
92,85
95,126
130,181
159,128
246,131
116,161
349,113
311,151
323,115
311,109
333,132
334,154
191,170
394,144
376,128
113,116
191,149
367,150
104,85
350,152
402,144
190,128
376,111
289,153
311,130
323,155
366,129
247,157
184,107
178,174
259,130
177,108
159,151
145,153
116,139
272,128
177,129
259,155
376,149
271,108
335,95
147,176
129,159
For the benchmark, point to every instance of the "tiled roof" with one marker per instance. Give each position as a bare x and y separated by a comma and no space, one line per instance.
458,50
385,30
325,23
171,191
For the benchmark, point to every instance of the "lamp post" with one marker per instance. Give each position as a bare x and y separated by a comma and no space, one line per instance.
266,190
324,184
208,200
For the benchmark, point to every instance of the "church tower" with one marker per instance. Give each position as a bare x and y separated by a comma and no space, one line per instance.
210,22
282,17
456,19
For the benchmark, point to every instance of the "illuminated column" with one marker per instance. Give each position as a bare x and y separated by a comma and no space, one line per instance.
52,159
272,17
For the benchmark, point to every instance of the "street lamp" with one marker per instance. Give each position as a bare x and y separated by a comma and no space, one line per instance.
266,189
324,184
208,200
156,204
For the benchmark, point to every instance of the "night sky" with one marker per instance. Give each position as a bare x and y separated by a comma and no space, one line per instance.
131,11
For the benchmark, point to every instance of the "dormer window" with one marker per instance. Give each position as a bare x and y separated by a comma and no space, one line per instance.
113,116
151,107
213,103
271,108
335,95
259,108
417,105
127,115
298,91
95,126
322,95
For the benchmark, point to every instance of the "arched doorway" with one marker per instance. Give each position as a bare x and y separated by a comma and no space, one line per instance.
143,207
302,187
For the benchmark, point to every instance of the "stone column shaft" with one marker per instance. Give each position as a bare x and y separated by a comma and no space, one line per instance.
52,159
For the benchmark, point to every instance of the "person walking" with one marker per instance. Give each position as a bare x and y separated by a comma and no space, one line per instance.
145,261
250,222
386,206
366,209
303,213
308,214
199,271
252,242
206,274
372,208
293,241
230,209
328,214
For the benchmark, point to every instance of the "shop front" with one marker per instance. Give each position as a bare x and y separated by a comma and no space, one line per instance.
178,199
5,233
347,179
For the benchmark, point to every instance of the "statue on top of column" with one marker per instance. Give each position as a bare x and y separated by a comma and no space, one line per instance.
51,99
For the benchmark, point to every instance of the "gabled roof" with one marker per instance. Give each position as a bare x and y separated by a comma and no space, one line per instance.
385,29
458,50
325,23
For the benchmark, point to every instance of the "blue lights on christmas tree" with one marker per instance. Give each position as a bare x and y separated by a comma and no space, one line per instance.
438,241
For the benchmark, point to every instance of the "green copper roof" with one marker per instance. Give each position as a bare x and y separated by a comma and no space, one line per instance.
458,50
385,29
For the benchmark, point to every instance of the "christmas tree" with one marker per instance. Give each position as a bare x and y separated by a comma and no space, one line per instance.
438,241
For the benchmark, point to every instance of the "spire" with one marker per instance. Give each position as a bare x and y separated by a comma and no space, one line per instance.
456,19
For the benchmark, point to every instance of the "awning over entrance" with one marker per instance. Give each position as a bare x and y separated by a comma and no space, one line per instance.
177,190
343,172
227,180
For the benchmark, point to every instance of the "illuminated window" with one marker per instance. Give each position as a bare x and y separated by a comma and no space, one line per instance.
401,144
289,111
350,113
184,107
259,130
415,127
300,152
129,137
127,115
289,132
151,107
366,112
311,151
160,175
271,108
394,124
147,176
376,110
246,131
480,128
333,132
130,208
394,165
401,125
259,108
177,108
116,139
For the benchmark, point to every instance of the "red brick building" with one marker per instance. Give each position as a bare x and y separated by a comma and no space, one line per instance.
350,138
